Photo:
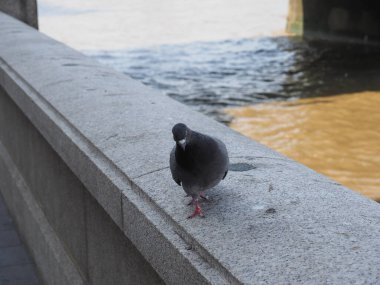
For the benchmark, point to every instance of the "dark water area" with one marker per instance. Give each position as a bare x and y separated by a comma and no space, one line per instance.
213,75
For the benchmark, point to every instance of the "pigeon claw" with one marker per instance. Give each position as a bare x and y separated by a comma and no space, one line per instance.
197,212
204,197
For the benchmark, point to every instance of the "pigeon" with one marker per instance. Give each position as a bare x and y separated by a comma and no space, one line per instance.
197,162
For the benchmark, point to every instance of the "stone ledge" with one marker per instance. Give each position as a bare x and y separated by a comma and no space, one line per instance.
115,135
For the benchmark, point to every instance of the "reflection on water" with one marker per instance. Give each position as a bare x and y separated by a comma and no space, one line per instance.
336,135
121,24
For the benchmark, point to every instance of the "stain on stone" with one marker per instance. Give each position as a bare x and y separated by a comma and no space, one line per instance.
343,234
115,94
294,202
112,136
270,211
241,167
70,64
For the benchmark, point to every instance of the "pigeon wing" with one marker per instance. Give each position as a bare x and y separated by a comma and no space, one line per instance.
174,168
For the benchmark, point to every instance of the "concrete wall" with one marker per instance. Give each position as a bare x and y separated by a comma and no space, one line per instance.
338,20
24,10
85,231
84,169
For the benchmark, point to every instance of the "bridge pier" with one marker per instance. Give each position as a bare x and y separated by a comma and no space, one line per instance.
339,20
24,10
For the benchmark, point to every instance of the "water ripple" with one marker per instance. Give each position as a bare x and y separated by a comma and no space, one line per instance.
212,75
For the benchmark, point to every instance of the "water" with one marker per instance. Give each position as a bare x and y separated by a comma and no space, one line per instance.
212,75
316,104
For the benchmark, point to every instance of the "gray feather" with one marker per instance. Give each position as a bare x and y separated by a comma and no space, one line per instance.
173,168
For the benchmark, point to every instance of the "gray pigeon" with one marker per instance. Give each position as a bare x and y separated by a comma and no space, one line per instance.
198,162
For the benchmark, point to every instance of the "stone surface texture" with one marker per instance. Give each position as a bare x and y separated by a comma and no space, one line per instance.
276,223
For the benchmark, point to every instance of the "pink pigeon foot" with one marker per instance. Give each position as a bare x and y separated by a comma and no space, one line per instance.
197,212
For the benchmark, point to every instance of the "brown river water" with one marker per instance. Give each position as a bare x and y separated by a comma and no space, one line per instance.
316,104
338,136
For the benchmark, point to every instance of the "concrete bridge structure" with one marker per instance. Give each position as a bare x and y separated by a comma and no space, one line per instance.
24,10
336,21
84,171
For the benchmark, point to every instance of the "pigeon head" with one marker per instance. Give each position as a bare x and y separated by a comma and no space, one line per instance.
179,134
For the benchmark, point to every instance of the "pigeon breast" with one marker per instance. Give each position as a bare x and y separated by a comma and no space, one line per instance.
201,165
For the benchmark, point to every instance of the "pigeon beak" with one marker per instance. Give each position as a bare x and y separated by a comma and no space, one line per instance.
182,143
